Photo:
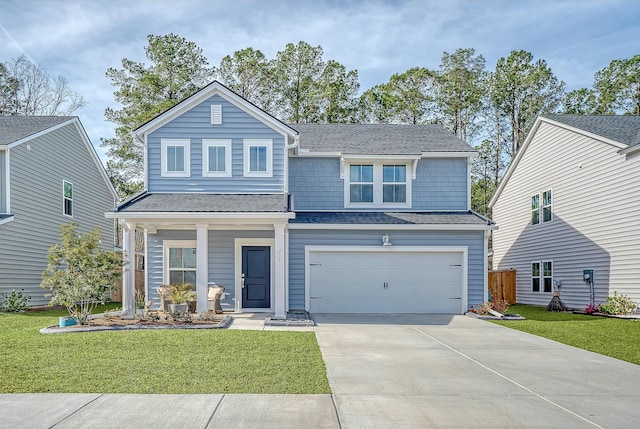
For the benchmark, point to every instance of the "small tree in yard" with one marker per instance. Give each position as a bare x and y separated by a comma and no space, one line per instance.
79,274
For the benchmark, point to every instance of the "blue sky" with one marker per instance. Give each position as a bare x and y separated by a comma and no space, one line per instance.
80,39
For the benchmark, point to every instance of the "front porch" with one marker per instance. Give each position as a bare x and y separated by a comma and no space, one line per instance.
246,252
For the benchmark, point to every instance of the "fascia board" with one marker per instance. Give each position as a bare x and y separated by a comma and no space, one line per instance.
182,216
391,227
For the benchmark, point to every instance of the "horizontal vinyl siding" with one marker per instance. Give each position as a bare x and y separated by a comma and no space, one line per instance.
440,184
298,239
3,185
195,125
221,259
315,183
36,201
595,218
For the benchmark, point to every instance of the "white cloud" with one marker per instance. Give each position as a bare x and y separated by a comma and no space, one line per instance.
81,39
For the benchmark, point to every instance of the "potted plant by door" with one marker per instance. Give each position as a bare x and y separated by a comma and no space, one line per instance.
181,294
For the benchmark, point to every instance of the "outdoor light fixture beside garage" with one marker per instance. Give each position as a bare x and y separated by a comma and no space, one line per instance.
385,240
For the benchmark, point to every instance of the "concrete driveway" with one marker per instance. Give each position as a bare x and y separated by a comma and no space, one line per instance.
418,371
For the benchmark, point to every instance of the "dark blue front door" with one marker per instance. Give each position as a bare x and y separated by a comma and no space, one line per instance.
256,272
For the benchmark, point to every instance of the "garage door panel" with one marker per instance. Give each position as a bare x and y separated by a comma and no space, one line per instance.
385,282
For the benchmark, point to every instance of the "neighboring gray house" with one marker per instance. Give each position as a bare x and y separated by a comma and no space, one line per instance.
327,218
570,201
50,174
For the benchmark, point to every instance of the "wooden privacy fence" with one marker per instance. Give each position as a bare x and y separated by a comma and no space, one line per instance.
502,285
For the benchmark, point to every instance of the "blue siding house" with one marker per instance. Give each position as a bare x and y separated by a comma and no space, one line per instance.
329,218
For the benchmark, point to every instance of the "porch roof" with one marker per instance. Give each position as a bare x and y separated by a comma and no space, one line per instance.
391,218
204,203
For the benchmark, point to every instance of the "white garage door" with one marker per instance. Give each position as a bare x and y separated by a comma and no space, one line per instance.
385,282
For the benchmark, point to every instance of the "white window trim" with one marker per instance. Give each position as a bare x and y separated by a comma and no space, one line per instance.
541,207
377,184
165,144
542,276
206,144
216,114
64,198
249,143
168,244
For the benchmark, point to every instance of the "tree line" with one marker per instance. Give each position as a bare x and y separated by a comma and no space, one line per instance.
490,108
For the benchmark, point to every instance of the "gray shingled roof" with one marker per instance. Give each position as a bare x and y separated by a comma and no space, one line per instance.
378,139
621,128
207,203
14,128
394,218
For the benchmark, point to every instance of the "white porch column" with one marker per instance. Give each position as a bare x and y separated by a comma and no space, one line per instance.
129,270
202,267
280,280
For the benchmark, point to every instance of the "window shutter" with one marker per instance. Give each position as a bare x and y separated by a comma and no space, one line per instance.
216,114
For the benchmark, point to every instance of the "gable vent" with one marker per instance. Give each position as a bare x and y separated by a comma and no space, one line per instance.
216,114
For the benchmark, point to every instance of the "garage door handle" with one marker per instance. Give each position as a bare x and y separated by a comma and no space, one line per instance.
385,285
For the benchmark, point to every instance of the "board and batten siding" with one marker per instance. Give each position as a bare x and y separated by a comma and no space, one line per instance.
221,259
195,125
37,170
298,239
596,200
440,184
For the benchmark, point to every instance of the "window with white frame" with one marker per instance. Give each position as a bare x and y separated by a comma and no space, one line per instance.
378,183
67,198
542,276
180,262
216,160
175,158
361,183
541,208
258,157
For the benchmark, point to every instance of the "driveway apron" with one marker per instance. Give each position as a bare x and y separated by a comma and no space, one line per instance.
417,371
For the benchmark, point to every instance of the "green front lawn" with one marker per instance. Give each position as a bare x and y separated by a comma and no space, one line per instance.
618,338
163,361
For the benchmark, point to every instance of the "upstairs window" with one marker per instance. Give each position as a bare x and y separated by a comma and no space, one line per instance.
378,184
361,186
394,183
175,158
216,160
535,209
67,198
258,158
541,213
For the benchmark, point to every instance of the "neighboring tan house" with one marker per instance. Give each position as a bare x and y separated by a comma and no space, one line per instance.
569,202
50,174
325,218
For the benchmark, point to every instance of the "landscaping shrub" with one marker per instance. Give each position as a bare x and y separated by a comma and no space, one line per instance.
15,301
619,305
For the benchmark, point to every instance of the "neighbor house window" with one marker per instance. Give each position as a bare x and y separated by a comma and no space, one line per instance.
258,158
542,276
175,158
541,213
535,209
67,198
216,160
546,206
180,262
377,184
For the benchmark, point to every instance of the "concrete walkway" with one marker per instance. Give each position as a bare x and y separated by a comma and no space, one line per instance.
386,371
